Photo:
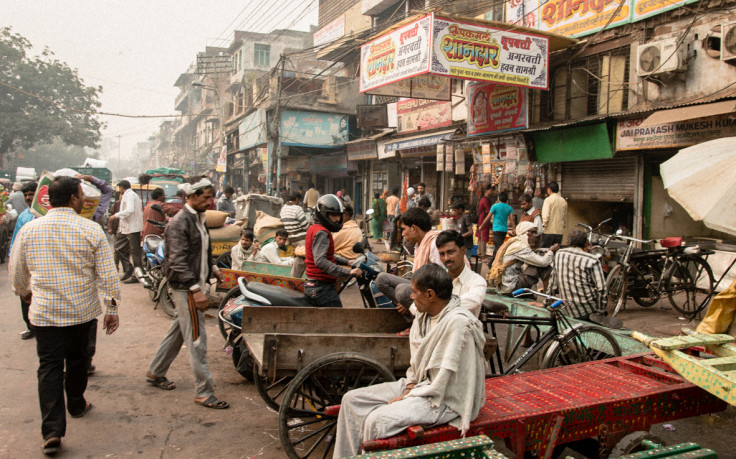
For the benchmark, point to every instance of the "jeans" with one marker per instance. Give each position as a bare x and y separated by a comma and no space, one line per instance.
322,294
57,348
397,289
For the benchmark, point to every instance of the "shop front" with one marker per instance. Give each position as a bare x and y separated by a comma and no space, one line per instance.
253,152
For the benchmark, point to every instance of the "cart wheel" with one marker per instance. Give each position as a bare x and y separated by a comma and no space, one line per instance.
304,428
226,328
224,261
581,344
631,443
243,361
167,305
271,392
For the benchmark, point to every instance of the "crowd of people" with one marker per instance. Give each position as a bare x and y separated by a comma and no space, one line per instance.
442,297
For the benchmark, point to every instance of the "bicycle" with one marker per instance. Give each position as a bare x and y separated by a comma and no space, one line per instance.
562,344
680,273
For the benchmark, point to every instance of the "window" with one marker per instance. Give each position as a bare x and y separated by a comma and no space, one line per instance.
594,85
262,55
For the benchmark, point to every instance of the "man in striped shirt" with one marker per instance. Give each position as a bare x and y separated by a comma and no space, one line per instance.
578,277
62,265
296,224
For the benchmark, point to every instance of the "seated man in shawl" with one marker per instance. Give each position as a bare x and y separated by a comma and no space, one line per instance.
445,382
246,250
517,264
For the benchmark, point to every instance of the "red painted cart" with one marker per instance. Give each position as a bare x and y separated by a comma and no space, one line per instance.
606,402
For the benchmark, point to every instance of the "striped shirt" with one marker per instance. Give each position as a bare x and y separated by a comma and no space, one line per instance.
66,261
578,277
295,223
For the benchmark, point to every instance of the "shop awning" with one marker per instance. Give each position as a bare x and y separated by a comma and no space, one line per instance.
688,113
420,140
577,143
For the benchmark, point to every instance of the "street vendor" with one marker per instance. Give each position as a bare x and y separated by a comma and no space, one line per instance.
246,250
444,384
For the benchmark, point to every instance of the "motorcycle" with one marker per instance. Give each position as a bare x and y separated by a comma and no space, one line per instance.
151,274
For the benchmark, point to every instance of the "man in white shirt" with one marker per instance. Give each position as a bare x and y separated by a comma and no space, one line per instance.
270,252
128,242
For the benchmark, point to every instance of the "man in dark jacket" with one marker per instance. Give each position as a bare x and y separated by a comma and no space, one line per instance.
188,265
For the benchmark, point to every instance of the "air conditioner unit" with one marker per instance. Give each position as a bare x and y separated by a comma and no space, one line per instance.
728,42
661,57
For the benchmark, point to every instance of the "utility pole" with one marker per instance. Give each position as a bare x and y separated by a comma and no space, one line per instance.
119,170
277,127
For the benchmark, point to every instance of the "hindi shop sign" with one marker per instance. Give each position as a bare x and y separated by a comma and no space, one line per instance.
421,114
400,54
482,53
629,136
495,108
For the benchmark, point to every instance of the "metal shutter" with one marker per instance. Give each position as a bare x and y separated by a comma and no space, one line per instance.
610,180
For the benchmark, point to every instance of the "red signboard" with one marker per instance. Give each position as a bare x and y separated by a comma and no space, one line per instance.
422,114
496,107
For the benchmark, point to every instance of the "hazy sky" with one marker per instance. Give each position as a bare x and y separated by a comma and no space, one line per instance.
136,49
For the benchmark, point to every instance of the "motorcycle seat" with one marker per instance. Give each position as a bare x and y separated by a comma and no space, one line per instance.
152,243
279,296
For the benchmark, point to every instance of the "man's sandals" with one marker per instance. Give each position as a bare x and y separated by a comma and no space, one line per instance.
51,446
212,402
161,382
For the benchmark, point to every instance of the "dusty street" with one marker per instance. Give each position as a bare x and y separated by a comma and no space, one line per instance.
132,418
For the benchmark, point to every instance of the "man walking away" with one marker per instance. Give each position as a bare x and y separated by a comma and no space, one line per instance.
128,242
311,196
484,206
188,264
225,203
69,260
499,217
554,214
392,203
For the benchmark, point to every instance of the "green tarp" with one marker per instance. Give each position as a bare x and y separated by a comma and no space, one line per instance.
579,143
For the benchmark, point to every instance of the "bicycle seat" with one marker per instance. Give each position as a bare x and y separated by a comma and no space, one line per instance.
152,242
494,307
279,296
669,242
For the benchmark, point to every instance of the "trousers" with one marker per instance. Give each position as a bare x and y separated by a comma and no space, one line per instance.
180,333
59,348
322,294
365,415
397,289
128,247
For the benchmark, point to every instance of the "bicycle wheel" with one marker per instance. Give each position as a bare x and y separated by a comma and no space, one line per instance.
167,305
616,287
582,344
648,294
689,284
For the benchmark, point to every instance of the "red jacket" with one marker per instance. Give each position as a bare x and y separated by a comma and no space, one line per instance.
313,272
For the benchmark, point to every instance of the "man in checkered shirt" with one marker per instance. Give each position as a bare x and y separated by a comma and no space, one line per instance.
61,264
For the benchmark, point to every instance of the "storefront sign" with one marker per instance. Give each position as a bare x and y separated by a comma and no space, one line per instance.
522,12
253,130
495,107
421,114
311,129
642,9
362,150
400,54
418,142
297,164
419,87
482,53
583,17
383,153
330,32
328,163
222,160
629,136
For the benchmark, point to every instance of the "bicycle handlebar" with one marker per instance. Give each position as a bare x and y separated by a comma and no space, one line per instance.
558,301
632,239
368,269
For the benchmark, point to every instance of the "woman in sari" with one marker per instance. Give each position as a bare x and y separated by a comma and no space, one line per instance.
379,215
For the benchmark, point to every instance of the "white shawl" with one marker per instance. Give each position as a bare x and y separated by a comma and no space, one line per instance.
447,362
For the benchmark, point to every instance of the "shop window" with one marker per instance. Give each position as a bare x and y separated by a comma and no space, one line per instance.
594,85
380,178
262,55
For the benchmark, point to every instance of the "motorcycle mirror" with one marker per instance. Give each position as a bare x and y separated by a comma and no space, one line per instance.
358,248
369,212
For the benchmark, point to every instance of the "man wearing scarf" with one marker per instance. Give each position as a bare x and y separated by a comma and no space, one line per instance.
517,265
445,382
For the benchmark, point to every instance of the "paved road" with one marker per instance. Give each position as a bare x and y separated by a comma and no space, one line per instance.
134,419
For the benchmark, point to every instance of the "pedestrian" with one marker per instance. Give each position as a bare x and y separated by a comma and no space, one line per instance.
105,195
65,300
499,216
225,203
151,214
311,196
128,242
422,193
484,206
379,215
392,203
28,190
554,214
464,227
188,264
346,199
17,199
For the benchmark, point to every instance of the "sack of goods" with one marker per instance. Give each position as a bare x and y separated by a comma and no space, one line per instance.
41,204
214,218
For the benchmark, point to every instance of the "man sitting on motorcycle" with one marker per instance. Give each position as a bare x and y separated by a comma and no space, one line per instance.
321,261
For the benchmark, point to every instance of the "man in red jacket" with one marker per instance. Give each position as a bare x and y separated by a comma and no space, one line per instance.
321,262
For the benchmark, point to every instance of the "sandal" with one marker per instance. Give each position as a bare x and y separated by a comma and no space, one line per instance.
51,446
87,407
161,382
212,402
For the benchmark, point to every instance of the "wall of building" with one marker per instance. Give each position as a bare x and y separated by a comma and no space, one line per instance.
329,10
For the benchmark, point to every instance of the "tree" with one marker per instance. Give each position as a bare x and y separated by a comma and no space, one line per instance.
42,99
52,156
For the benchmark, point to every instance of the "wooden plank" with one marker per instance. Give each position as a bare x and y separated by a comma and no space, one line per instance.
274,319
313,346
255,343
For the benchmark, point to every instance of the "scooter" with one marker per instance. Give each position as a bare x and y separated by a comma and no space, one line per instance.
151,274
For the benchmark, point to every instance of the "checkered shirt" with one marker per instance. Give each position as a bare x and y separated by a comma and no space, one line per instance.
66,262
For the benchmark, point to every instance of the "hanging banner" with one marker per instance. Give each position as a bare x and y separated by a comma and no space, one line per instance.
400,54
482,53
460,160
222,160
495,107
487,152
440,157
420,115
449,158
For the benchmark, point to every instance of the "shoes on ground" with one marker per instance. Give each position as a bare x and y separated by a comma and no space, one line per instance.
28,334
126,276
131,280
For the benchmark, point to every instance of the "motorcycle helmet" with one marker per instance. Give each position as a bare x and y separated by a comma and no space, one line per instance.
326,205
